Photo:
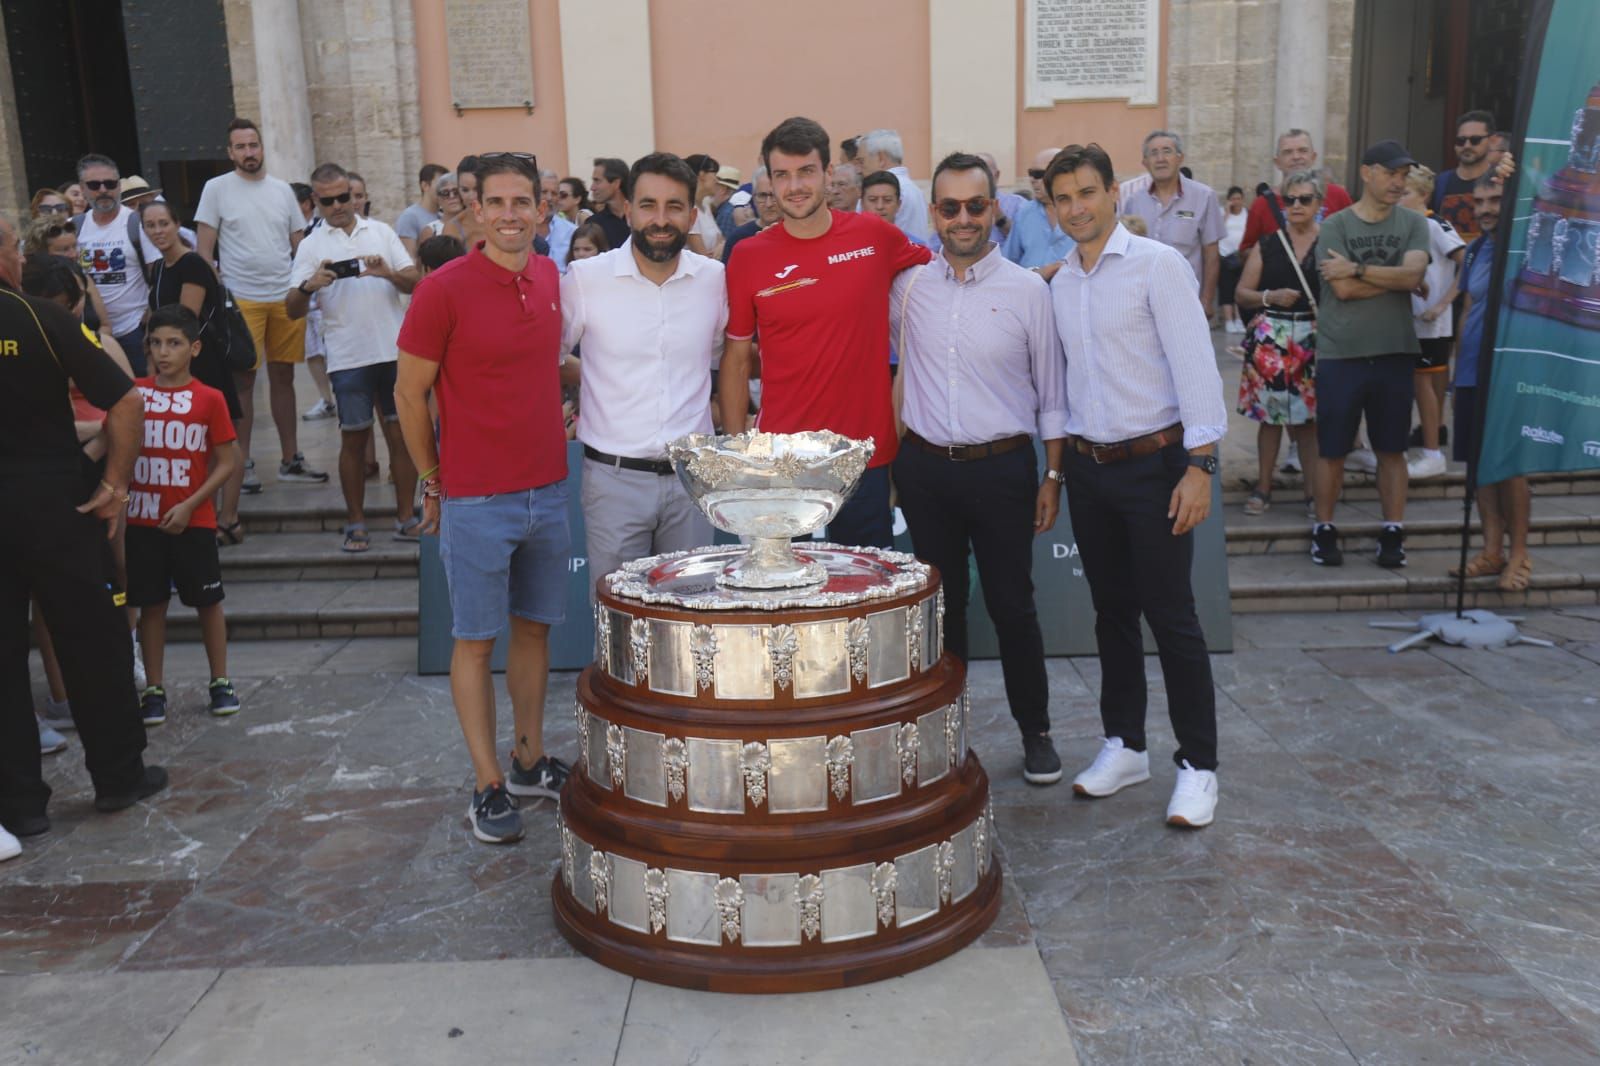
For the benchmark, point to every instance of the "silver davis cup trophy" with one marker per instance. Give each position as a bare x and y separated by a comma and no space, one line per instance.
769,488
774,790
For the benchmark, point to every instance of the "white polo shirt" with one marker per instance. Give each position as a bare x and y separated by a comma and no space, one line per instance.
648,349
360,316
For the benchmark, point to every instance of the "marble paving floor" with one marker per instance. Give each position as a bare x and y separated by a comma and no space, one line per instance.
1405,869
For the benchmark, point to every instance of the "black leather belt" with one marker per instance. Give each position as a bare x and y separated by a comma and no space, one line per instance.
659,467
965,453
1148,444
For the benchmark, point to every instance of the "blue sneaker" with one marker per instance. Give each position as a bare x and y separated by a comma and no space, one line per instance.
493,816
153,705
544,779
224,700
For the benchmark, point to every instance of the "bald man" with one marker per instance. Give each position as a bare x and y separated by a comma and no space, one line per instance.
1036,241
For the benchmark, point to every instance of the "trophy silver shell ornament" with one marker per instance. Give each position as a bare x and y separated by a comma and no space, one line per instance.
769,488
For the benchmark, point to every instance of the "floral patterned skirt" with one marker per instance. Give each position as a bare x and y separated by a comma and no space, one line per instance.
1278,383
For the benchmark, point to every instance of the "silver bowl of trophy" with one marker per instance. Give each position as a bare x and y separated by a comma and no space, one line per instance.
768,488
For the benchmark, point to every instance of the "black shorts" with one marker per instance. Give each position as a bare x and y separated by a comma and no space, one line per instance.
1377,386
1464,427
1435,355
159,562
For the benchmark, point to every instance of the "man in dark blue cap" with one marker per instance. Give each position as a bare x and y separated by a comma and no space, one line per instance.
1370,257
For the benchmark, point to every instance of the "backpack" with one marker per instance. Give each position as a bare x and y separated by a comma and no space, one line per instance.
235,346
135,234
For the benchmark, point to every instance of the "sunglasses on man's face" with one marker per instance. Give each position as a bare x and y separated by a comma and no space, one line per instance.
951,209
1036,173
329,201
1303,200
96,186
526,157
1474,140
448,193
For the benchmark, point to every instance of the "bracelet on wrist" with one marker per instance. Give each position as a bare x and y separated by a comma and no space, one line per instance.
429,474
121,497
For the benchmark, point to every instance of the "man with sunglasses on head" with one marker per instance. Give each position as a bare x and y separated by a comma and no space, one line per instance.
1036,240
1452,191
361,314
113,250
816,286
981,372
250,223
483,333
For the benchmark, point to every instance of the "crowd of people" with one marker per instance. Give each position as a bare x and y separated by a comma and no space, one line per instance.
509,309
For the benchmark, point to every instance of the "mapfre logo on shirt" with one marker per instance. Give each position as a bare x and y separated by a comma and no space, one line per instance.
854,253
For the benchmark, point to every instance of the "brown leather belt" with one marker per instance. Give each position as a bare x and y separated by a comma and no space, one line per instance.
1123,450
965,453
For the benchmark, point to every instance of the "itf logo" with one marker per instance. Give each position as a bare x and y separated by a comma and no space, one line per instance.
1540,435
1591,448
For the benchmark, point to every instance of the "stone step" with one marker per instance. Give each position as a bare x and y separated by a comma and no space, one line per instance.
1562,575
1238,482
304,508
1558,519
290,557
290,610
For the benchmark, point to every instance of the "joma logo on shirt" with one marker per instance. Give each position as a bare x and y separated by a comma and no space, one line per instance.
854,253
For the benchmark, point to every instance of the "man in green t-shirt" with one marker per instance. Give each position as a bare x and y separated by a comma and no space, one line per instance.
1370,257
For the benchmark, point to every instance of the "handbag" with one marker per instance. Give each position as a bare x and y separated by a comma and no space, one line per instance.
234,343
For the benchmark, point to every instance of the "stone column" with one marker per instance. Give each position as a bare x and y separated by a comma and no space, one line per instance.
973,114
611,99
14,192
1301,97
281,78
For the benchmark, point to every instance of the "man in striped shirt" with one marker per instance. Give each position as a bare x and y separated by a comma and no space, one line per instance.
1144,414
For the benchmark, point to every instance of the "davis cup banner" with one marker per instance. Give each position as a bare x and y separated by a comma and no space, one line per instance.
1543,407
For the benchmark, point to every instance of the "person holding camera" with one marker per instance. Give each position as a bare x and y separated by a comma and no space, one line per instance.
358,269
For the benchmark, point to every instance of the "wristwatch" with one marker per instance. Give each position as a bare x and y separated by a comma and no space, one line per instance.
1208,463
304,291
1057,476
1361,269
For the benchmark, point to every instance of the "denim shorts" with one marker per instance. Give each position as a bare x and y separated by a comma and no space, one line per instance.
1378,387
504,555
361,390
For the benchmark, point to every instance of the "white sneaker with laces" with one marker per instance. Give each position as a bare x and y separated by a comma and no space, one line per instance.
319,410
10,846
1291,461
1194,797
1428,464
1113,770
1363,460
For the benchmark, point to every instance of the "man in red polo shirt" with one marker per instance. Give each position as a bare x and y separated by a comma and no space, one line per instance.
1296,152
484,333
816,290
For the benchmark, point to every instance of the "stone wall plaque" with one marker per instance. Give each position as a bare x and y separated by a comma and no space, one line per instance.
490,45
1092,50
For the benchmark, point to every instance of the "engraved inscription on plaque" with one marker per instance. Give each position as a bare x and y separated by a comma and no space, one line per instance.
744,665
716,781
594,758
619,654
645,778
822,663
671,661
888,658
963,866
916,885
582,882
1091,50
933,750
490,45
692,907
771,910
849,910
798,777
875,771
627,905
930,636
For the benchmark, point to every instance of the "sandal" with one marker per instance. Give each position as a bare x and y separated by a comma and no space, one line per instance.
1484,564
408,531
1257,502
231,534
356,539
1517,575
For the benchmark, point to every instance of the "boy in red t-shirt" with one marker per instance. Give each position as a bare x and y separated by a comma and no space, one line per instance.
189,450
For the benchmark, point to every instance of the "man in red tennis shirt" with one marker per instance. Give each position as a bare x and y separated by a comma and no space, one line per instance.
816,291
484,333
1296,152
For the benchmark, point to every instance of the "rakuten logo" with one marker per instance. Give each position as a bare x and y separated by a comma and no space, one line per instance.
1540,435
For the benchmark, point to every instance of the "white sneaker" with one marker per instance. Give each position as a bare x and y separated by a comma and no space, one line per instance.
319,410
57,715
50,741
1428,464
139,679
1235,325
1363,460
1194,797
1291,461
10,846
1113,770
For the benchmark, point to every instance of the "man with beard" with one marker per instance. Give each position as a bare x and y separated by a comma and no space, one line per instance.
650,316
113,250
816,286
1453,192
981,371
